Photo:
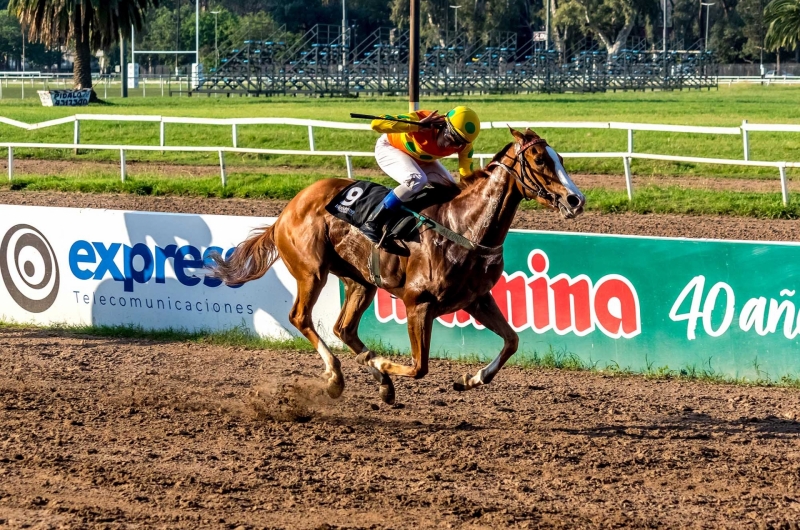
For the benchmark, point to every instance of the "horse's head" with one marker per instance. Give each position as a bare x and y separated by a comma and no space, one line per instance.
540,173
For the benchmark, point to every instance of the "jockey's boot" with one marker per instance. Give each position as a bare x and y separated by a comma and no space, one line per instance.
373,226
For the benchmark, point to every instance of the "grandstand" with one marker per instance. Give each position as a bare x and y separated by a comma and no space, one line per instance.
325,61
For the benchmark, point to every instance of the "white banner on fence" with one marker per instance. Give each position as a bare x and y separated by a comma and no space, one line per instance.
106,267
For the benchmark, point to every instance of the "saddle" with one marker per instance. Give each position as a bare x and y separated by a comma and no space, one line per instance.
355,202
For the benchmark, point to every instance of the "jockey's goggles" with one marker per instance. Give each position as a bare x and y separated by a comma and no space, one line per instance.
452,136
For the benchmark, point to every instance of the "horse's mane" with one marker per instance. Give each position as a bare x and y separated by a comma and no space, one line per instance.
480,174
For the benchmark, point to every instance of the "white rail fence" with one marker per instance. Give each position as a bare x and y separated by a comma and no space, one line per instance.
233,123
755,79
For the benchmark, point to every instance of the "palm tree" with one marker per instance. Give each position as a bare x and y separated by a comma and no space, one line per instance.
782,18
90,25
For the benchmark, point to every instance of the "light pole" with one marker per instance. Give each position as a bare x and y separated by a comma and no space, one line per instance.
547,27
413,57
216,48
456,8
664,37
344,22
344,44
708,9
197,37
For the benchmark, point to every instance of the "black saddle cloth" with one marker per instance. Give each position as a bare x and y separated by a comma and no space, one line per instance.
355,202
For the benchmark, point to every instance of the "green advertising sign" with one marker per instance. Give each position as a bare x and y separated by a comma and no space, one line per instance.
632,302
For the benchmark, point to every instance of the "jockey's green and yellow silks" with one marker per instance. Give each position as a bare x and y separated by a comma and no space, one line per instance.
420,143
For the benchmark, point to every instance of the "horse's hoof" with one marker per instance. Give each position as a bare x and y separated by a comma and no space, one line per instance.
363,358
335,385
462,383
387,393
387,386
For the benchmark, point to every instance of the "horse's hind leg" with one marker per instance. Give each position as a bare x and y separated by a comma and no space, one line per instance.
420,325
485,310
357,300
308,288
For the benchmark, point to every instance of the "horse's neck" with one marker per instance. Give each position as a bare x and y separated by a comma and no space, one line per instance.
484,212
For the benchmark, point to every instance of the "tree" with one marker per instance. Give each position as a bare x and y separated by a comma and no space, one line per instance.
88,25
754,28
783,24
609,21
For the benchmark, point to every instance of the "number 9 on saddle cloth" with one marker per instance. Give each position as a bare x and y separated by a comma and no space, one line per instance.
355,203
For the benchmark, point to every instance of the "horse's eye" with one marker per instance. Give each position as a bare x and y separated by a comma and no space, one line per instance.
539,161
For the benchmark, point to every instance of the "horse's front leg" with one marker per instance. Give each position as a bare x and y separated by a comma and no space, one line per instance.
420,324
485,310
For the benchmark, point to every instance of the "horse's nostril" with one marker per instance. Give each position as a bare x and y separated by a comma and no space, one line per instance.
574,201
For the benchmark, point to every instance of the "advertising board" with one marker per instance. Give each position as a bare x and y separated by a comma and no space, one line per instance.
106,267
638,303
65,98
725,307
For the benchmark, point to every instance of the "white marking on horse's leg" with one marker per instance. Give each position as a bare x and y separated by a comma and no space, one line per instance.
380,364
486,373
333,371
327,356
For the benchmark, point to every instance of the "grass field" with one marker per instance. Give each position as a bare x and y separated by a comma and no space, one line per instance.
647,199
727,106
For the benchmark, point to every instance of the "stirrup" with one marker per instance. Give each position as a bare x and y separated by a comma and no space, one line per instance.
374,264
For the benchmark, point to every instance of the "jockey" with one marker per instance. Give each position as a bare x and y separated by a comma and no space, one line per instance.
410,155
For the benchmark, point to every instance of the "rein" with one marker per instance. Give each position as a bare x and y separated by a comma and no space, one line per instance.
458,239
523,176
534,186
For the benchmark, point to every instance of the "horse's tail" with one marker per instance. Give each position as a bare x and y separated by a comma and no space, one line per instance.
251,259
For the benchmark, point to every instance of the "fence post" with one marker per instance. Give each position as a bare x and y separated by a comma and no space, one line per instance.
626,161
630,140
122,164
235,134
76,134
222,168
784,187
480,162
746,141
349,162
161,134
311,138
10,163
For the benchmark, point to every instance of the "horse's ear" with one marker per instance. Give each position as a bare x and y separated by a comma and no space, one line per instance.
529,132
518,135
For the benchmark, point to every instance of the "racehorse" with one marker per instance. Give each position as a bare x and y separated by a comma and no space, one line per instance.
435,278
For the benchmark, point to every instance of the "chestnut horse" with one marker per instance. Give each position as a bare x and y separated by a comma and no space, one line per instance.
437,276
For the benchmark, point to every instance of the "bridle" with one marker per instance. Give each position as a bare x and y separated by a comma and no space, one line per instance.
524,177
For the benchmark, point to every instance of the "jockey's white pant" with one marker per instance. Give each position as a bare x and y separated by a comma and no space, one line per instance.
410,173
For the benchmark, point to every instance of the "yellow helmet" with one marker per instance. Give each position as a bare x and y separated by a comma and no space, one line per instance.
465,122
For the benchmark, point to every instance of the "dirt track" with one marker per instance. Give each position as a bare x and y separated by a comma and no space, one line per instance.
584,181
106,433
112,434
719,227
